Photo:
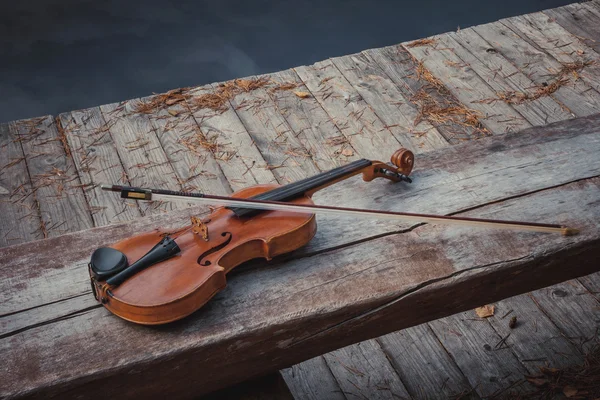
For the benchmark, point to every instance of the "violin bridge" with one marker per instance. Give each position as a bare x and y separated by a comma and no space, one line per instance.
200,228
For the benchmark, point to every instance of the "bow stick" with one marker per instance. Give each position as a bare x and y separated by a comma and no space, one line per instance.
128,192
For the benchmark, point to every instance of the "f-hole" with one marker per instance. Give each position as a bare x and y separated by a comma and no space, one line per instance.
205,263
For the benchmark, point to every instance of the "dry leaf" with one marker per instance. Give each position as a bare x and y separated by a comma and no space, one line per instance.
549,371
302,95
485,311
569,391
347,152
537,381
173,112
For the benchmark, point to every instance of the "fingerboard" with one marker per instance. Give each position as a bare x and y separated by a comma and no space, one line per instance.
296,189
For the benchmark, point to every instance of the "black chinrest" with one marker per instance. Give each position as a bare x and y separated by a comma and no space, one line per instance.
106,262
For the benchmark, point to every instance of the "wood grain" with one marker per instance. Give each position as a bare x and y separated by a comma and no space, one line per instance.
363,371
579,19
312,380
592,284
503,77
187,149
236,153
472,344
540,67
560,44
424,365
577,319
286,156
388,102
357,121
313,127
403,69
423,268
468,87
97,162
20,219
535,340
140,152
58,190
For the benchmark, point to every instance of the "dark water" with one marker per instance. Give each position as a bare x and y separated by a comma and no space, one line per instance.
57,56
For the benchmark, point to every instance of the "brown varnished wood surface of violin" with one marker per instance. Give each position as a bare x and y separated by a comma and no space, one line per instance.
159,277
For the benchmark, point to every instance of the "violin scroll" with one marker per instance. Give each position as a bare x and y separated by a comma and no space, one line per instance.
401,165
404,159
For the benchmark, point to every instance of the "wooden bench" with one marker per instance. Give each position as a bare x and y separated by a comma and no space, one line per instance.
357,279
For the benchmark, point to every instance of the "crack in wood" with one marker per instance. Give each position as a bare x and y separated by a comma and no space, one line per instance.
403,295
44,304
51,321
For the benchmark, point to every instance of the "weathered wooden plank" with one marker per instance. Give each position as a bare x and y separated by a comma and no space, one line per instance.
140,152
442,183
471,342
20,220
286,156
404,70
534,340
363,129
389,104
97,162
59,193
494,356
468,87
304,337
503,77
592,284
313,127
580,20
560,44
363,371
424,366
250,319
593,6
577,319
541,68
187,148
312,380
236,153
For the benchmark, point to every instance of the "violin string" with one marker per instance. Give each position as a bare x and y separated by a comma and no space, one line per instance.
295,189
311,182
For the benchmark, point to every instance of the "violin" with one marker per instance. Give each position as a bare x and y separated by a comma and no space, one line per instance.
159,277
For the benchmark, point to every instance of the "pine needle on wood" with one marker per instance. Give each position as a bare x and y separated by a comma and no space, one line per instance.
421,42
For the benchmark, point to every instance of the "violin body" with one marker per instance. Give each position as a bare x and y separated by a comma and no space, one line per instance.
175,288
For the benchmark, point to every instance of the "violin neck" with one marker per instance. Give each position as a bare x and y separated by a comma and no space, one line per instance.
308,185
